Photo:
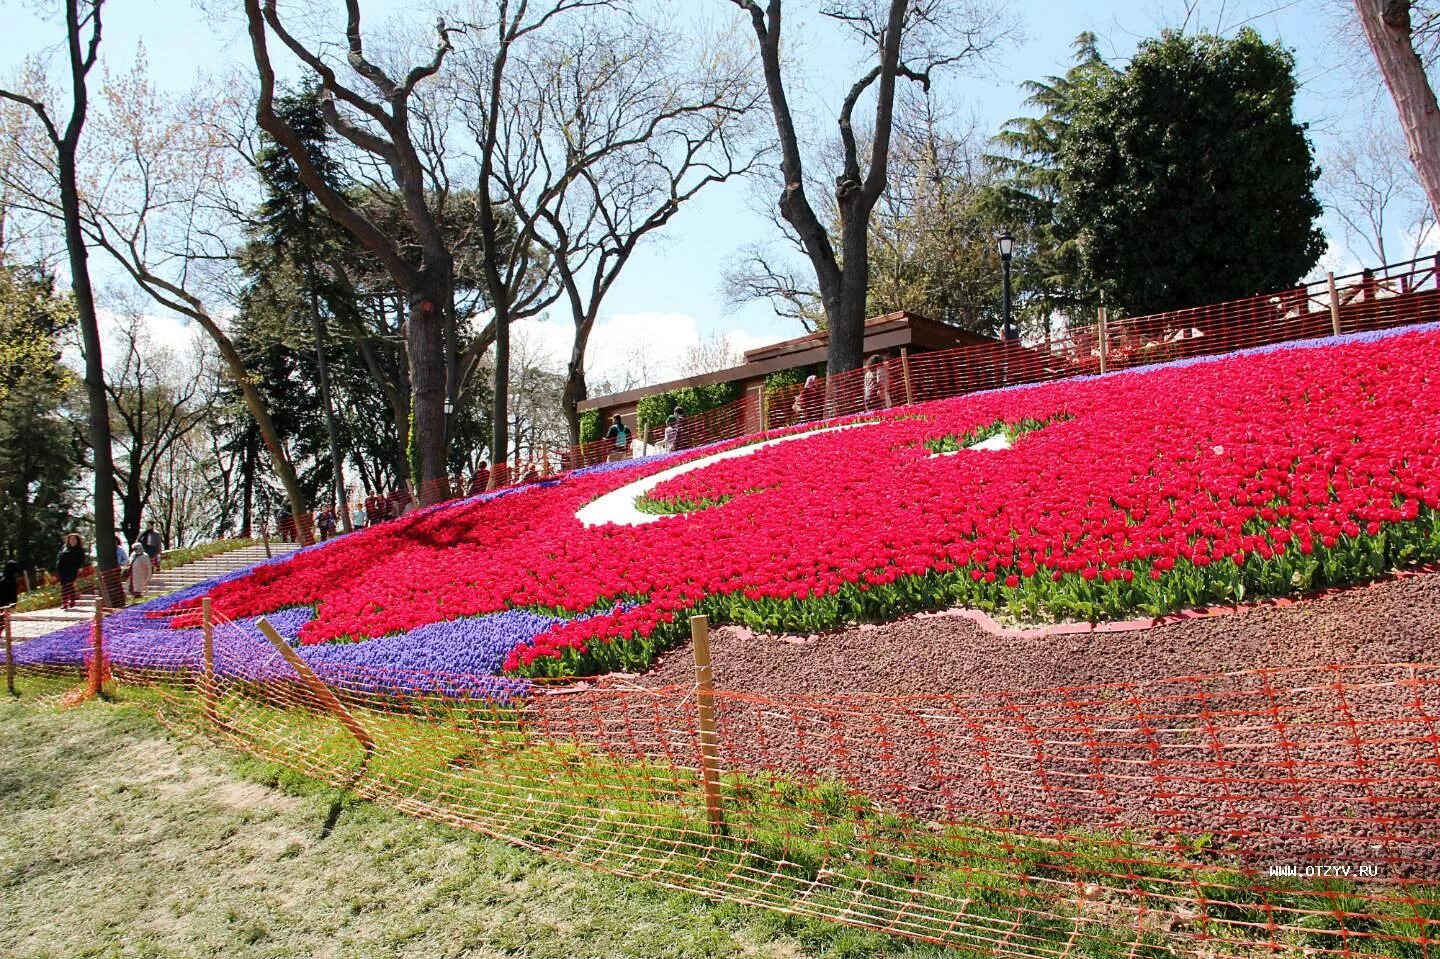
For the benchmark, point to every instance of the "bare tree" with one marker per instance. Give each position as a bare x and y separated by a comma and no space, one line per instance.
711,354
614,127
156,197
1376,193
82,44
157,404
909,39
380,125
507,264
760,275
1388,29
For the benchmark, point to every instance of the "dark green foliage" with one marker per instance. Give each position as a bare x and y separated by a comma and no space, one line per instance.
40,456
1188,177
694,400
590,430
783,378
1048,273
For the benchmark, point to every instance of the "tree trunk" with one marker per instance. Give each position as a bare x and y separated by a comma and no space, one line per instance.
846,340
1387,28
426,337
576,390
247,477
102,459
500,434
322,364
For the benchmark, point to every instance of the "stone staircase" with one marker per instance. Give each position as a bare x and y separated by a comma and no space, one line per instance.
43,621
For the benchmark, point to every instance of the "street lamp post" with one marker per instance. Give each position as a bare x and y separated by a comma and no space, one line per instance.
449,413
1007,331
1007,246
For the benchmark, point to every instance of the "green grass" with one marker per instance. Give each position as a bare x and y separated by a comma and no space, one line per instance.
814,848
116,840
48,597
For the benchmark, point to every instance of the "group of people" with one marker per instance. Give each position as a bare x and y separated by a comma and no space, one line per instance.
138,564
810,401
618,438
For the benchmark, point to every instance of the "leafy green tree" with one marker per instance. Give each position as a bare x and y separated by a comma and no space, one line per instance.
1026,197
932,236
39,454
1188,177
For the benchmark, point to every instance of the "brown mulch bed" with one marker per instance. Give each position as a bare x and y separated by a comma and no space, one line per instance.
1238,727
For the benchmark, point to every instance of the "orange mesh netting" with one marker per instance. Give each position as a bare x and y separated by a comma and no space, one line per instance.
1276,810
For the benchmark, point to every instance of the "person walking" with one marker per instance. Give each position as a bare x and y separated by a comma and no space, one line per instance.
480,482
675,429
68,564
326,523
122,556
153,545
10,584
141,569
619,438
877,384
807,403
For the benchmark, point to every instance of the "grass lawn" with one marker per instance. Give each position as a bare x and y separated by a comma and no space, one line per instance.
117,840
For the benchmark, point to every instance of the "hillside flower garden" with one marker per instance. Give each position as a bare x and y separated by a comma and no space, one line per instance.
1219,480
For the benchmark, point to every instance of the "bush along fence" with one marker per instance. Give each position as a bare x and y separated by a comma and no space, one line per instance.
1268,811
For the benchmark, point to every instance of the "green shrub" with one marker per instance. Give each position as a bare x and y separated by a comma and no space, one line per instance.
590,428
694,400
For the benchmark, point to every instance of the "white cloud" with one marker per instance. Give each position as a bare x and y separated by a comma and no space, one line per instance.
628,350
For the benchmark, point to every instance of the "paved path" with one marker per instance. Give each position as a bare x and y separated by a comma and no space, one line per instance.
43,621
618,506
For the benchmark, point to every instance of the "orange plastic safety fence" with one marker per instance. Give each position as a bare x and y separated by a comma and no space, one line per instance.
1268,810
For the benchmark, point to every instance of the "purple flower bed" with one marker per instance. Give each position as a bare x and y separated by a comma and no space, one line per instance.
458,658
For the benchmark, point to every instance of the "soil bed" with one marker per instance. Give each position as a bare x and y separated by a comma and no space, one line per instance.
1321,750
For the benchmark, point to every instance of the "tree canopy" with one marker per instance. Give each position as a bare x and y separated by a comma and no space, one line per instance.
1188,177
39,450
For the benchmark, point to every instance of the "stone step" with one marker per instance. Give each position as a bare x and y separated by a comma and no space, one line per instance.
41,622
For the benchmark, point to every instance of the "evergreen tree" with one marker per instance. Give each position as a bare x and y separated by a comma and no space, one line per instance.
40,458
1049,275
1188,178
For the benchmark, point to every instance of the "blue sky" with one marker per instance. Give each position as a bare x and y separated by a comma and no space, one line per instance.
671,293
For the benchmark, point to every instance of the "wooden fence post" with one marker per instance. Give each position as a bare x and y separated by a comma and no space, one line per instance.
97,648
318,689
1334,304
207,674
709,737
1104,339
905,372
9,653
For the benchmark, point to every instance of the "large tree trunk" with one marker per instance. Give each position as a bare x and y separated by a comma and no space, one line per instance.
426,337
846,342
1387,28
576,389
500,433
102,459
322,364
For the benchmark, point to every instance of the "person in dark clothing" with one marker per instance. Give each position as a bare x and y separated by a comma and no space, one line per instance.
480,482
10,584
153,544
68,564
618,436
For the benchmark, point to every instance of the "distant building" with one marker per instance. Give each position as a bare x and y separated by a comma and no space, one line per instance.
887,335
